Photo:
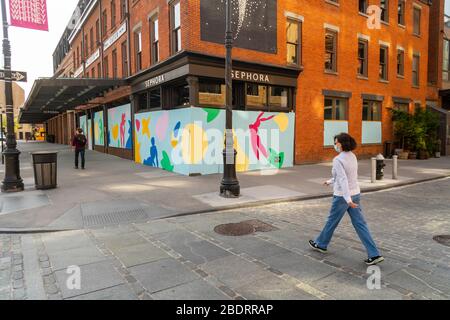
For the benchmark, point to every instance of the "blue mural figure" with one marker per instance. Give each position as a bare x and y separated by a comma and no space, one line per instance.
128,145
108,138
153,159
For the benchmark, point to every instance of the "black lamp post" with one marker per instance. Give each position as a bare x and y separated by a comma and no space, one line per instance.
12,182
229,188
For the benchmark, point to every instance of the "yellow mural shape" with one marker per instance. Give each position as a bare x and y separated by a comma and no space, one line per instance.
146,127
137,150
282,121
242,161
194,143
96,130
174,142
115,132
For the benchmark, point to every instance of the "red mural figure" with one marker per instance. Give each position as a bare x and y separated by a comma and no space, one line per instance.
122,130
254,136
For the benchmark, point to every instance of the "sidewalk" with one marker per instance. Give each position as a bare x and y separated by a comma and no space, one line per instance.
114,191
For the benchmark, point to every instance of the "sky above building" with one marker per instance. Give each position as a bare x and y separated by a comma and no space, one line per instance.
32,50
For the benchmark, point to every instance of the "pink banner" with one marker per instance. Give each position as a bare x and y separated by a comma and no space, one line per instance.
30,14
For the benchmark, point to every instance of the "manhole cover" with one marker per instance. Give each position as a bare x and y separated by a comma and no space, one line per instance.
443,239
235,229
244,228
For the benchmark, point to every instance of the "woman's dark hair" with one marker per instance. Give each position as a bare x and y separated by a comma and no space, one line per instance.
80,130
347,141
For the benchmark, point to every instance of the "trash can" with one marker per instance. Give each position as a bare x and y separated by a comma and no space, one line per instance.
44,166
51,138
388,149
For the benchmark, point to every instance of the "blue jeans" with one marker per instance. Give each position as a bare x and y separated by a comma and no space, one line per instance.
81,153
337,211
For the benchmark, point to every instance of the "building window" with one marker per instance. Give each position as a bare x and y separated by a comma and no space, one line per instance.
86,47
363,57
384,6
335,109
401,12
114,63
256,95
154,40
78,57
93,73
371,110
123,9
113,13
99,70
212,93
446,61
278,97
91,38
384,57
417,107
416,21
155,98
175,14
97,32
180,95
138,50
401,107
400,63
74,60
105,22
105,68
142,101
124,59
415,70
362,6
330,51
293,31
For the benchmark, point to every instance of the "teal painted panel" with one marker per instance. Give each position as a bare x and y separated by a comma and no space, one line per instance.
99,131
332,128
371,132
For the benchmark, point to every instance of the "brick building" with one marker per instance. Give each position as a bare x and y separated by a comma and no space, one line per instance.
306,69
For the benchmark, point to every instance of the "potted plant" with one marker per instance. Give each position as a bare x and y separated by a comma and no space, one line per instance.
437,148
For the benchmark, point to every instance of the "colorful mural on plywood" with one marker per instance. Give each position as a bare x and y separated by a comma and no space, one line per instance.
99,139
89,136
190,141
119,127
85,125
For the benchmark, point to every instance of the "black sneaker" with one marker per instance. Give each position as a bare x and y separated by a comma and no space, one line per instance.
374,260
314,245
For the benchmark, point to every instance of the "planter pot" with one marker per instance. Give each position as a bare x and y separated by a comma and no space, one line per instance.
398,151
403,155
423,155
412,155
437,154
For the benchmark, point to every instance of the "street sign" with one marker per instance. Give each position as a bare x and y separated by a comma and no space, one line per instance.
19,76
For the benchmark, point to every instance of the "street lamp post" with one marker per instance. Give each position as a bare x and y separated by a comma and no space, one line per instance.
229,187
12,182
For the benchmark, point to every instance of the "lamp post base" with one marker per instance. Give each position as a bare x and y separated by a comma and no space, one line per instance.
229,187
12,182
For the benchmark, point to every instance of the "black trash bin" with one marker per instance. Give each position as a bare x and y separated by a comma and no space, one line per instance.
388,149
45,169
51,138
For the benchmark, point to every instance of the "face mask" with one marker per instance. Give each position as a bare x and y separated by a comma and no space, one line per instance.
338,150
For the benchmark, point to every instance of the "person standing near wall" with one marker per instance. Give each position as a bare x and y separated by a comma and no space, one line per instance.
79,145
346,198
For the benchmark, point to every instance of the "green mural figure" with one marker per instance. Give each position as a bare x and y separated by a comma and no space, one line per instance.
276,159
165,162
212,114
100,127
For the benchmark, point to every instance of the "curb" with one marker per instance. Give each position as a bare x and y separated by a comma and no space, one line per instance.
304,198
252,204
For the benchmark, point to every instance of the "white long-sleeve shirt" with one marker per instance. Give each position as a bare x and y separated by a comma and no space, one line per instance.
345,175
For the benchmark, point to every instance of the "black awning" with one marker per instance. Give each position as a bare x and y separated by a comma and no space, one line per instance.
50,97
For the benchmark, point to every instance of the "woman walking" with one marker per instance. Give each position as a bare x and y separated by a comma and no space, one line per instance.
346,198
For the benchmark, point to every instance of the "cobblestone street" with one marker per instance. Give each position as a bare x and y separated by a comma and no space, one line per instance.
183,258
